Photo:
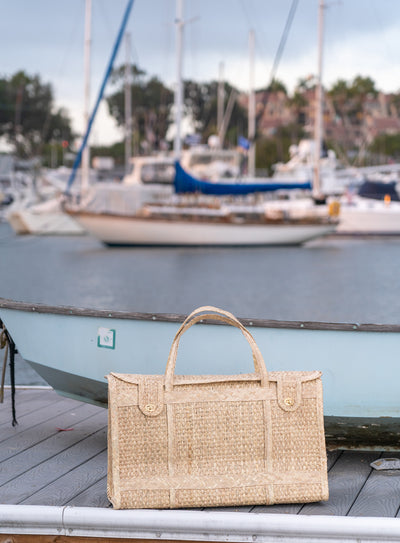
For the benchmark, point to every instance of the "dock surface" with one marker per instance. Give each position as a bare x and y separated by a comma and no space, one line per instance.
57,455
53,479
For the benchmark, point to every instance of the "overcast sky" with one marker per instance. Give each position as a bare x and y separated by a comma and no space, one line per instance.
46,37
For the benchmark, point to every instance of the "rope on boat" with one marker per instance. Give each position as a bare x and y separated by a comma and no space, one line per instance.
3,345
7,342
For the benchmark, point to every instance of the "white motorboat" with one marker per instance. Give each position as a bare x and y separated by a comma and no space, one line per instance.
334,178
372,210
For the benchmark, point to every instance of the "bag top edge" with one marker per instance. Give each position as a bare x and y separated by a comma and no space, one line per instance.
273,376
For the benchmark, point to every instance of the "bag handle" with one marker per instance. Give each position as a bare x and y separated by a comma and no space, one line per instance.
217,310
209,308
218,315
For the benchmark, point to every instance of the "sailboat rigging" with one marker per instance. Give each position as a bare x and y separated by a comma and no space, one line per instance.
108,71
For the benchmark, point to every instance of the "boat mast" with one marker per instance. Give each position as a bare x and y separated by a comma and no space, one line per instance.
221,98
128,104
86,99
179,88
78,158
252,110
319,107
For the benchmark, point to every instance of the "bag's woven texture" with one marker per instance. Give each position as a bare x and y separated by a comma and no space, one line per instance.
199,441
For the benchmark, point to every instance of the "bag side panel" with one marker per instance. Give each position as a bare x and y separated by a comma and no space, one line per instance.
113,490
298,445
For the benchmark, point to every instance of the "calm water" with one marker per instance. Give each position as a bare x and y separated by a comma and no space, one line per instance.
354,280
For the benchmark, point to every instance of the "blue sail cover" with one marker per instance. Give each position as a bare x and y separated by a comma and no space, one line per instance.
184,183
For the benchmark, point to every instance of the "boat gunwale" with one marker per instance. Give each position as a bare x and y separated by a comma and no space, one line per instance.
224,219
178,318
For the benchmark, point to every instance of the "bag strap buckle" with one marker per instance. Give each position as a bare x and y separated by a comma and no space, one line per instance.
151,395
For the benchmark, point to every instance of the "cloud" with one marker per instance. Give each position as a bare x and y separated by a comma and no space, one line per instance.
361,37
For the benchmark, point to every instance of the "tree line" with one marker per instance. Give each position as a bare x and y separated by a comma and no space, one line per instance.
28,117
30,121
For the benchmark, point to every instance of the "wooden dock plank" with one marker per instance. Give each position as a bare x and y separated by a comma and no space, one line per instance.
18,489
380,495
42,466
43,421
69,485
346,478
27,401
93,496
24,436
49,448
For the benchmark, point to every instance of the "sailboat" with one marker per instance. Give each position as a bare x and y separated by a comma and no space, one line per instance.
334,178
201,213
47,215
368,206
43,214
186,219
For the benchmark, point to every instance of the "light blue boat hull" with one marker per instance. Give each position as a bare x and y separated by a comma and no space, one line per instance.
360,366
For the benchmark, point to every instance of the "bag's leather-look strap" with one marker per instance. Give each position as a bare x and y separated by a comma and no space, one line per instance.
218,315
208,308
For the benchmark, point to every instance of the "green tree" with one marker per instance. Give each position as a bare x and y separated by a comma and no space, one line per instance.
151,106
298,103
201,103
341,97
116,151
28,118
387,145
349,98
275,149
276,86
306,83
362,86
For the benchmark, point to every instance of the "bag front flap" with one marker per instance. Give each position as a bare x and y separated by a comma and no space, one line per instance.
289,387
145,391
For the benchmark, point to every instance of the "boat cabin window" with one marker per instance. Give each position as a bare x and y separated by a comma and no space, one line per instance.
157,173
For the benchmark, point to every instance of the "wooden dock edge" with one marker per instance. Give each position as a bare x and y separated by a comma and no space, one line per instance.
45,524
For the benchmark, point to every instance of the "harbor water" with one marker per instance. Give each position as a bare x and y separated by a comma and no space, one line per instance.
332,279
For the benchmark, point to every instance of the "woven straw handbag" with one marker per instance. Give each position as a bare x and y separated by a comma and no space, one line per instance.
201,441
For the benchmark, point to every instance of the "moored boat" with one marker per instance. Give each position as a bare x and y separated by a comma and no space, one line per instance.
374,209
334,178
198,212
189,230
358,361
45,218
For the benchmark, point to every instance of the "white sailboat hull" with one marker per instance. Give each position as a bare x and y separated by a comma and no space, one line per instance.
370,217
120,230
25,221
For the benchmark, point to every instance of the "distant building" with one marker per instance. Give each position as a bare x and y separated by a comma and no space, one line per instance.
352,123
